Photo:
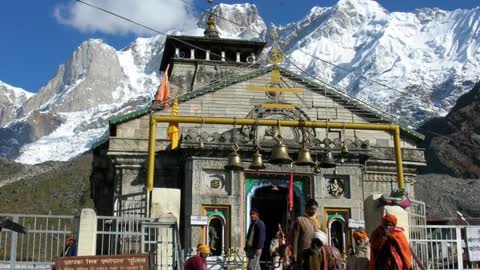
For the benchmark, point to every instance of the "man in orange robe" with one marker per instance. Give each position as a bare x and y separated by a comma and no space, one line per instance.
389,247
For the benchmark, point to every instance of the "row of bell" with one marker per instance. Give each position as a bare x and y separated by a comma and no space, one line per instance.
280,156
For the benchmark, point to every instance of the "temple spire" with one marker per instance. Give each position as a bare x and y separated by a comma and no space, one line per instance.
211,30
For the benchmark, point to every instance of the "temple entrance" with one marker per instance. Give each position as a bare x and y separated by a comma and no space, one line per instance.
337,234
337,227
215,236
272,203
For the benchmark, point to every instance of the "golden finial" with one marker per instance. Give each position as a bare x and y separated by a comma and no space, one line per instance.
275,56
211,30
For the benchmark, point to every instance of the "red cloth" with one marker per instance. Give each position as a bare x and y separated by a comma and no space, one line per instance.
390,251
163,92
194,263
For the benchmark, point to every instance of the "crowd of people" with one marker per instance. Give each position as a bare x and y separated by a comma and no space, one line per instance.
386,249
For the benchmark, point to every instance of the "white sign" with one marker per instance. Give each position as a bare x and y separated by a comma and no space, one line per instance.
354,224
473,243
199,220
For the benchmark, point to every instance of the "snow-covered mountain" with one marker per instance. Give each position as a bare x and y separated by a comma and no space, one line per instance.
11,99
417,65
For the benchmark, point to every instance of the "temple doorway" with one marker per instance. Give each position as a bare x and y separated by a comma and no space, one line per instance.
215,235
272,204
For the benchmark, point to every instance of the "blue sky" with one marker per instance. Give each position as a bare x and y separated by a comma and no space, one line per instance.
39,35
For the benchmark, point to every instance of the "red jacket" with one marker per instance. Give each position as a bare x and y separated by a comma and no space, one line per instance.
195,263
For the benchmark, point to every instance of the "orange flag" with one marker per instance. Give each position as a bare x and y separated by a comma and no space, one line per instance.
163,92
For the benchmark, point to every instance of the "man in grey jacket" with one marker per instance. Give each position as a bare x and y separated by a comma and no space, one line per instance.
255,240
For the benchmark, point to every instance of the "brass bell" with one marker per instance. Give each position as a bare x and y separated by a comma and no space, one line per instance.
234,160
257,162
327,161
280,154
304,157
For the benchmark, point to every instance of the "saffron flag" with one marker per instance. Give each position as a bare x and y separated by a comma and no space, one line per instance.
173,131
163,92
290,190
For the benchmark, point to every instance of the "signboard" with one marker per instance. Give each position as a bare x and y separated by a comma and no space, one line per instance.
354,224
110,262
473,243
199,220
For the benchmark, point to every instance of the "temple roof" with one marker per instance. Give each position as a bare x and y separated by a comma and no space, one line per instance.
337,94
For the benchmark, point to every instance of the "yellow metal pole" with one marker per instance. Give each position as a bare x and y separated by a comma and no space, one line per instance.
273,122
151,152
398,158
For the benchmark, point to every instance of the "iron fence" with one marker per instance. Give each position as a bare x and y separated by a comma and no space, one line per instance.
134,204
40,246
133,235
442,247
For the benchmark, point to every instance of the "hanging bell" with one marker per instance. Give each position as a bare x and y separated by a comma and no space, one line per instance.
304,157
280,154
257,162
327,161
234,160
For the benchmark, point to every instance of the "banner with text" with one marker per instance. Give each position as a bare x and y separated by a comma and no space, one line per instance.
110,262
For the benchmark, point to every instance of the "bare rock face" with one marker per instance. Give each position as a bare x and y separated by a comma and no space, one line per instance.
444,195
452,143
87,80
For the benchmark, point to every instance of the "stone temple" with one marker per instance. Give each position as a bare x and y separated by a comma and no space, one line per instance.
216,77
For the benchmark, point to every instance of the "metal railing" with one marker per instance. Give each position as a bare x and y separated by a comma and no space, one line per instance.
442,247
40,246
133,235
134,204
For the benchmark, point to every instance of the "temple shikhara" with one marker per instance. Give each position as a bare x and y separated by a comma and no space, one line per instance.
303,138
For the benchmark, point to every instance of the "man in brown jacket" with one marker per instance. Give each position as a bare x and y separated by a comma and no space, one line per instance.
303,230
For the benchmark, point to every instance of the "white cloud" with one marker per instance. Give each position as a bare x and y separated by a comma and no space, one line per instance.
161,15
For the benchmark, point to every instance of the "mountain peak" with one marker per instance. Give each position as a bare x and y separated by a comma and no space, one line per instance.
11,99
18,91
365,7
247,21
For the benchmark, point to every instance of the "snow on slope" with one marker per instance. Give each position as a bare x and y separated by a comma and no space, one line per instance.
19,94
65,142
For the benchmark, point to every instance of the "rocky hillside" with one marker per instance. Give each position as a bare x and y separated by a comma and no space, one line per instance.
444,195
452,142
52,187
